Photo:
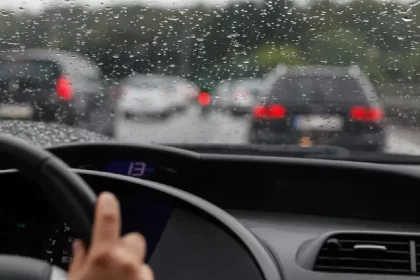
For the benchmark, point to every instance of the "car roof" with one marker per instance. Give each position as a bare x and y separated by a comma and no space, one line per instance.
149,78
69,61
247,81
42,54
324,71
146,78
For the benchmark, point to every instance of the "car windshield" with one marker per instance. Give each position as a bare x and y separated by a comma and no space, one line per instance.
251,86
268,75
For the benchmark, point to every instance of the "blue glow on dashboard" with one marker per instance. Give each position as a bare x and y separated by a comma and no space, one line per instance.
138,169
139,215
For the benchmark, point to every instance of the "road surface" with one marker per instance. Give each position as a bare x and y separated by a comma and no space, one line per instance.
190,127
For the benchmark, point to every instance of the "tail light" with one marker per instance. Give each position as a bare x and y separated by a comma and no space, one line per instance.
275,111
204,98
63,88
366,114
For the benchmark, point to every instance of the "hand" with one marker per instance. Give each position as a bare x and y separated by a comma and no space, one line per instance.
110,256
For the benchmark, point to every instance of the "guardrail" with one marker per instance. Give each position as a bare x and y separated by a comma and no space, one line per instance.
402,103
402,111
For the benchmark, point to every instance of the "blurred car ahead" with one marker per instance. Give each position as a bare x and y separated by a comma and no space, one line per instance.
222,93
319,106
54,86
192,92
147,96
244,96
184,92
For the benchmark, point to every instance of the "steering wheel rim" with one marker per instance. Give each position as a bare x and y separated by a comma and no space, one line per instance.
70,195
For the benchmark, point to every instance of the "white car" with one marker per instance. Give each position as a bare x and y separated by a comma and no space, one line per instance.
222,95
180,96
184,93
192,91
145,99
244,96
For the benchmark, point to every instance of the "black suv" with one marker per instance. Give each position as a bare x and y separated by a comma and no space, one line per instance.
319,105
55,86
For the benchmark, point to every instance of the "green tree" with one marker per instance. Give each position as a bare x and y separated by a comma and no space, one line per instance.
271,54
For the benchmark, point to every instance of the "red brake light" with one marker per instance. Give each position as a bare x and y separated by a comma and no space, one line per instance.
270,112
366,114
277,111
63,88
260,112
204,98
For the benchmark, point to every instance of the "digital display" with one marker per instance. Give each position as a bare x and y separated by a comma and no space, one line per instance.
138,169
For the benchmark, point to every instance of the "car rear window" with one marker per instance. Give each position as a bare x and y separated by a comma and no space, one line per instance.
144,84
251,87
150,84
42,70
318,90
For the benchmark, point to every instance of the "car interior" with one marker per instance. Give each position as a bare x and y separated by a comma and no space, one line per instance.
211,216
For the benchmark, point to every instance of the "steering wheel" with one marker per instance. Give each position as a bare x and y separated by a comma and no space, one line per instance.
71,196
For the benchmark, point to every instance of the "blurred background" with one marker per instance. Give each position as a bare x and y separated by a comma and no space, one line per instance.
199,54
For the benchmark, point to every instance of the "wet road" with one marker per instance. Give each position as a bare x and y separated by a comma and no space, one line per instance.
190,127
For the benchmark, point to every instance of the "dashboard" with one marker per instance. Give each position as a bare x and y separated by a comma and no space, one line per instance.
291,205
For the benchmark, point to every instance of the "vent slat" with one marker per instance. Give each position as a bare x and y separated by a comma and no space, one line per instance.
349,253
365,260
389,251
365,253
358,269
374,242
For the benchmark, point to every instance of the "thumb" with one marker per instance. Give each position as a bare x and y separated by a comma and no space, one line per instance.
79,254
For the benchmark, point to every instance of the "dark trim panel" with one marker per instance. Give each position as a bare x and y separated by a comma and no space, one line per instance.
263,259
268,268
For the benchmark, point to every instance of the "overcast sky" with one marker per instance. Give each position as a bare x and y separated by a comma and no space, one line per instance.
39,5
36,5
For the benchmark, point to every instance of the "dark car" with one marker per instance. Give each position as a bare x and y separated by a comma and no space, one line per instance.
312,105
54,86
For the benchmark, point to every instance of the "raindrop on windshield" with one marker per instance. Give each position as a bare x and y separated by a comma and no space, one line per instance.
407,13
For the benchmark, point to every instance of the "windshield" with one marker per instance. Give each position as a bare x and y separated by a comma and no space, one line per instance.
267,73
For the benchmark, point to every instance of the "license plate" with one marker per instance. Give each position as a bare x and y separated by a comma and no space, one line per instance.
16,111
318,123
305,141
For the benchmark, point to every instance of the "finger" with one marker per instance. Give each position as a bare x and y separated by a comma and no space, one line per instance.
79,253
107,224
136,245
146,273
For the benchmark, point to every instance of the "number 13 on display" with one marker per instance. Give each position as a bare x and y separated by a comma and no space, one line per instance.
137,169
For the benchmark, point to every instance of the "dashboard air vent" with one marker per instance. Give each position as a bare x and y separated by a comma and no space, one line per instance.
368,253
